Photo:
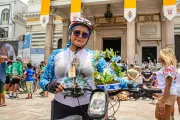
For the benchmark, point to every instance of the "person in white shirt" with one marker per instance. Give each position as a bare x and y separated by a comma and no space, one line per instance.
178,93
167,83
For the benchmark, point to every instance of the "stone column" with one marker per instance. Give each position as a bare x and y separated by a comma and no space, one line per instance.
91,41
65,36
94,39
123,45
49,38
170,34
163,34
130,42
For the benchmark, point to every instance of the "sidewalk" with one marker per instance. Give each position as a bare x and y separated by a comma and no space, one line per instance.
38,108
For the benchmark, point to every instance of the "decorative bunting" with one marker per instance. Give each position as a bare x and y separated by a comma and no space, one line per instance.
75,9
45,11
169,9
129,10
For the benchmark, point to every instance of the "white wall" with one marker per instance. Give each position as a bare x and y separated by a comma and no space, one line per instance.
15,7
37,58
34,8
20,7
19,30
34,1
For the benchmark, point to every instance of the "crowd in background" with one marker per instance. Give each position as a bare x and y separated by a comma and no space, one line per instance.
13,72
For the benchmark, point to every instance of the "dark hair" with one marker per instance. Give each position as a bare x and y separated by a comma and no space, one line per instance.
131,65
29,65
146,67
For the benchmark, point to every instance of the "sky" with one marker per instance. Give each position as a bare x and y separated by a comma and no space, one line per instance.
25,1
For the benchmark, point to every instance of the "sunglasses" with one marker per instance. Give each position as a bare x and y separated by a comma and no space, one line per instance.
84,35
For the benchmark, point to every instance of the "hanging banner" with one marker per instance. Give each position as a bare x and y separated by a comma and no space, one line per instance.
9,49
24,47
169,9
45,11
129,10
75,9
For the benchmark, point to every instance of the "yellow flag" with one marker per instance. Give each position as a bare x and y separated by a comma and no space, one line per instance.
45,7
75,8
169,2
129,10
45,11
169,9
129,3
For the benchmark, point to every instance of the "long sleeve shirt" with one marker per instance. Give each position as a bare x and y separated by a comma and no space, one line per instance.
57,67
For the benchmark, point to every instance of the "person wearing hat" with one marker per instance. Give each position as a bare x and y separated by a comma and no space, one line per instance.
61,62
73,60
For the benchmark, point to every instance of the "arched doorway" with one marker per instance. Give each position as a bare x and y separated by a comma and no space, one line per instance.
177,47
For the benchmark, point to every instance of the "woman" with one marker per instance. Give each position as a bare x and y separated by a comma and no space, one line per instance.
166,81
60,63
178,94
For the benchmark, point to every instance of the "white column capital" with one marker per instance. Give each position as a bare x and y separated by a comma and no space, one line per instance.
53,11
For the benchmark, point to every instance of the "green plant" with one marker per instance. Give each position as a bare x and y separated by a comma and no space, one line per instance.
108,74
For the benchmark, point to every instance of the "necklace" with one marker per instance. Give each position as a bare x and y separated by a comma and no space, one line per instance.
70,61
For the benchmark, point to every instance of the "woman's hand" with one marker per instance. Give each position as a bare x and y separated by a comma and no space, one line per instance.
60,88
162,108
2,59
55,87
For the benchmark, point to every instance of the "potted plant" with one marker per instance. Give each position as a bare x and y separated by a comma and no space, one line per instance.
107,72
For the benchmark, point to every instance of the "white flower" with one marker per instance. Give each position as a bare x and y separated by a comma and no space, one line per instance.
106,71
98,77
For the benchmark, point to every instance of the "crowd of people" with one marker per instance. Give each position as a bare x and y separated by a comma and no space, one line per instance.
76,60
164,75
12,72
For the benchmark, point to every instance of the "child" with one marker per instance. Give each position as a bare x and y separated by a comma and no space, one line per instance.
154,83
29,75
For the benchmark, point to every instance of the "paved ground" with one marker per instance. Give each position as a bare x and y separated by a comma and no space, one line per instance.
38,108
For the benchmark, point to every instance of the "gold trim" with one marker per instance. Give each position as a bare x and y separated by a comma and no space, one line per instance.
33,19
38,19
178,10
58,18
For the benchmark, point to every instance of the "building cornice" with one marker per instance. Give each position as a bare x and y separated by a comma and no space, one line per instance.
18,18
8,39
31,15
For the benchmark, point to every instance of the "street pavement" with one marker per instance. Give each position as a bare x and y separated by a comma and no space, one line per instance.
38,108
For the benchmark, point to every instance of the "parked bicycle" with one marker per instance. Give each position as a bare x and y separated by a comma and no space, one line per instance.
23,88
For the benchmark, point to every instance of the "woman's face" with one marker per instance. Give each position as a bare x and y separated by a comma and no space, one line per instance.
79,36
